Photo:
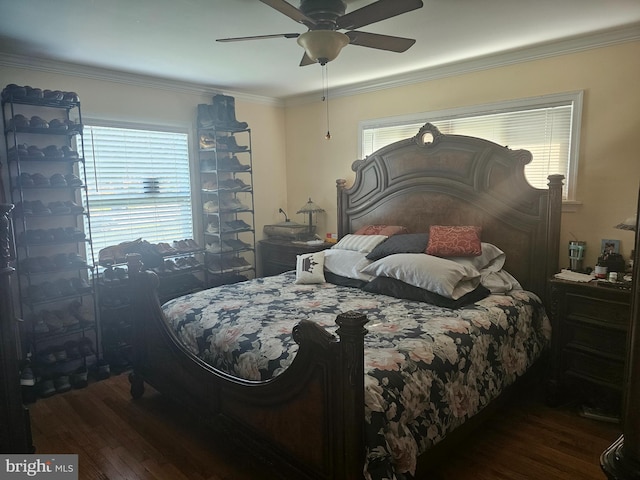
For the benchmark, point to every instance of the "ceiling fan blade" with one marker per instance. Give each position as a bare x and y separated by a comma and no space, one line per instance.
380,10
381,42
259,37
306,60
290,11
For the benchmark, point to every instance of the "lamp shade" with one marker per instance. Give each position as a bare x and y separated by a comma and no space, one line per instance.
310,208
323,45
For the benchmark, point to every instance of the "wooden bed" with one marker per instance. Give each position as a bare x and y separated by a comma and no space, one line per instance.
308,422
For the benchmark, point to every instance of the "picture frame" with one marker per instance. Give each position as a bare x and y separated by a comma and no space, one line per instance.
609,245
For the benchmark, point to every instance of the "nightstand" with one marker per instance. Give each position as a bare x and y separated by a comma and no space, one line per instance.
279,255
589,342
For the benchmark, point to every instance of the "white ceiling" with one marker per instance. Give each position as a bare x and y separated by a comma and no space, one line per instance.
175,39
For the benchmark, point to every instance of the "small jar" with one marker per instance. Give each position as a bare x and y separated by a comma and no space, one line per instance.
600,271
613,277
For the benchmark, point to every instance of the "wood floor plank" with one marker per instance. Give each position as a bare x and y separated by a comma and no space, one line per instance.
152,439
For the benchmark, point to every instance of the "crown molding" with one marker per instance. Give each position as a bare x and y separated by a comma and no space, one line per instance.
569,45
115,76
604,38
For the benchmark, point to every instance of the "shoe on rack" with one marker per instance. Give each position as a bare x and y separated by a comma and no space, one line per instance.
85,346
209,186
58,208
61,383
74,207
38,122
59,352
73,180
57,124
46,387
223,112
52,151
214,247
231,114
27,378
193,245
18,121
52,320
210,206
204,116
82,312
57,180
103,371
38,324
46,357
13,92
207,142
80,378
67,152
73,352
68,320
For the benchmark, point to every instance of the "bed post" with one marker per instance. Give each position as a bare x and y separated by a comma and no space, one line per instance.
341,185
554,213
350,456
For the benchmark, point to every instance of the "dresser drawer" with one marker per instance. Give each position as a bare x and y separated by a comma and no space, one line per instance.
595,369
608,343
597,310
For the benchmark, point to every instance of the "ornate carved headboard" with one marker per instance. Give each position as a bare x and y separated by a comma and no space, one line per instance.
436,179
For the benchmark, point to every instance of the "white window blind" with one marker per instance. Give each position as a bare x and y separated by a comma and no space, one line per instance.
546,131
138,185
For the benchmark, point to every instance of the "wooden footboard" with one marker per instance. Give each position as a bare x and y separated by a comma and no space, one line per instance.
308,422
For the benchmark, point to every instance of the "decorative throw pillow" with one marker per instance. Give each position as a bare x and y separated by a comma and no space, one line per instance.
310,268
454,241
359,243
408,243
387,230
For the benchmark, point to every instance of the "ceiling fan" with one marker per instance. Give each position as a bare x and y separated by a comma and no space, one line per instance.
322,42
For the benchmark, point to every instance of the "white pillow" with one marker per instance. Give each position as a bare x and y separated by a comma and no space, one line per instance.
435,274
310,268
499,282
491,259
347,263
359,243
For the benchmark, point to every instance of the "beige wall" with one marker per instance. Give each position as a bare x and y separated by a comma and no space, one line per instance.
609,162
293,160
141,105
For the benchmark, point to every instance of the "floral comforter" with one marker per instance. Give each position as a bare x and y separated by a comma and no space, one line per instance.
427,368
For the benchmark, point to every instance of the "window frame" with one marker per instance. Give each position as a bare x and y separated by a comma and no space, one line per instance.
574,98
169,128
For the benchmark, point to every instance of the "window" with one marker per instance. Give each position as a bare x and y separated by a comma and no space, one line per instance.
138,185
546,126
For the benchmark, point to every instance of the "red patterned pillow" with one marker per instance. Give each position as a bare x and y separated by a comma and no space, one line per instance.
454,241
387,230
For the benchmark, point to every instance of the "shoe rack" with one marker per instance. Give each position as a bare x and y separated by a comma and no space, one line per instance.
226,193
180,268
54,255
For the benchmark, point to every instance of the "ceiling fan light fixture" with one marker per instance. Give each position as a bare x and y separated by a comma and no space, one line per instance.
323,45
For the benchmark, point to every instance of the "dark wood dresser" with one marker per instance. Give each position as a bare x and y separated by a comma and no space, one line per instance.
590,324
279,255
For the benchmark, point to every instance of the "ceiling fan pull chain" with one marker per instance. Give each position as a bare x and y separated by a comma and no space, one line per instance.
325,96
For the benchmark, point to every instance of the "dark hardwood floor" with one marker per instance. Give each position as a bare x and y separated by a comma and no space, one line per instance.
118,438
